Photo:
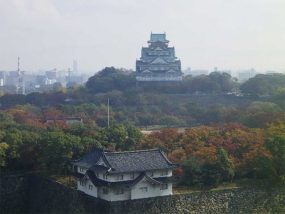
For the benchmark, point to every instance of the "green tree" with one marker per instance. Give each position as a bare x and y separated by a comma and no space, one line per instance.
5,117
14,139
117,136
263,84
276,146
225,165
3,149
134,136
110,79
58,149
192,175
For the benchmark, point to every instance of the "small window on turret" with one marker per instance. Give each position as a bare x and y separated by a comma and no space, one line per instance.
164,172
105,176
163,186
120,177
105,191
119,191
143,189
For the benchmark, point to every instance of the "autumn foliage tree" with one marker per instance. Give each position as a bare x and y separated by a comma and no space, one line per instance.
211,154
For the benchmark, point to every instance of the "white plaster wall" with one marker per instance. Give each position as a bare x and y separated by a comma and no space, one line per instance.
106,197
121,197
157,173
134,193
112,196
86,189
153,190
92,192
79,187
81,172
127,176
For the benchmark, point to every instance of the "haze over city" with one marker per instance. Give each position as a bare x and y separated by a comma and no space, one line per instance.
232,34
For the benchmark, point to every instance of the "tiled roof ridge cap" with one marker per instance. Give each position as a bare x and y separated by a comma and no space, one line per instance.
133,151
105,159
165,157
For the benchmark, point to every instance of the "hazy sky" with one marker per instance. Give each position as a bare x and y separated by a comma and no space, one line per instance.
229,34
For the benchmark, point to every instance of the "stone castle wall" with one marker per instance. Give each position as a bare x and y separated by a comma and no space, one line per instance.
14,194
33,194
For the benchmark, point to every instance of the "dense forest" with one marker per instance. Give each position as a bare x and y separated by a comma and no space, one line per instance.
232,131
205,99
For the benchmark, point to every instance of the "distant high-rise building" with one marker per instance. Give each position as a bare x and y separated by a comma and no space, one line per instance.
2,78
75,66
20,82
246,74
51,77
158,61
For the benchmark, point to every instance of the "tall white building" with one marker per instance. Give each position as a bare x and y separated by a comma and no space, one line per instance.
117,176
2,78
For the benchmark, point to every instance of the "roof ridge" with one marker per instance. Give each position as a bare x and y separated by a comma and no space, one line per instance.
165,157
133,151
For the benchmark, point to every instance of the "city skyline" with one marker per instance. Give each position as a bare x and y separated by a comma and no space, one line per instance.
50,34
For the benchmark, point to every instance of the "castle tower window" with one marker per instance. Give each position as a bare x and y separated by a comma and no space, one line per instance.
163,186
119,191
143,189
164,173
120,177
105,191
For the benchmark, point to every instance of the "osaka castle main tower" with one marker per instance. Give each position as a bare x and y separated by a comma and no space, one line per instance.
158,61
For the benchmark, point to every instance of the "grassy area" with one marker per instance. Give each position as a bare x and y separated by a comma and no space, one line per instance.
236,184
67,180
184,190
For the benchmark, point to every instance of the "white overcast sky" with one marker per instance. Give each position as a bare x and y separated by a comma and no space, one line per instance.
229,34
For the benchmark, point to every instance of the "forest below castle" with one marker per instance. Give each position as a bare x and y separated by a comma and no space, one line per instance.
233,130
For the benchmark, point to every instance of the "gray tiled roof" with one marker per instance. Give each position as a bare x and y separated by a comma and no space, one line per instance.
99,182
130,161
127,183
161,37
89,159
137,161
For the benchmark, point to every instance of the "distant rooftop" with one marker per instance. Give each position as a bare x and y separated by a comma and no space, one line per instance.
158,37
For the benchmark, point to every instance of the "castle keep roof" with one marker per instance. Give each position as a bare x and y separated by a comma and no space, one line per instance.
158,61
158,37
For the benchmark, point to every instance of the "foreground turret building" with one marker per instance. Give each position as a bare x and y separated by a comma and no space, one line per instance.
158,61
117,176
